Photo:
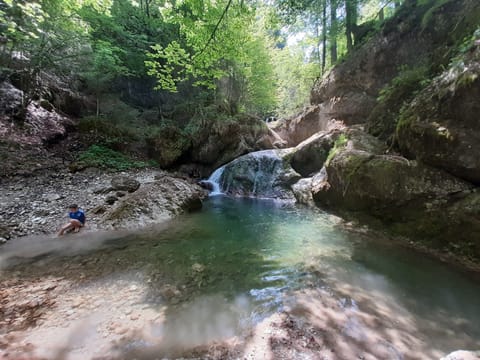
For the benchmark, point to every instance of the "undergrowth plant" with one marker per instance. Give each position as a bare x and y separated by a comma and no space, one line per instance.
106,158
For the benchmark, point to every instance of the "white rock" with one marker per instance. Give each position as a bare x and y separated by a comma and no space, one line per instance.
462,355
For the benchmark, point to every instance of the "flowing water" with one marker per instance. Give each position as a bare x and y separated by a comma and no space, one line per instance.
218,273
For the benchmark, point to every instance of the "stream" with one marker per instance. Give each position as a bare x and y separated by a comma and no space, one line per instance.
243,278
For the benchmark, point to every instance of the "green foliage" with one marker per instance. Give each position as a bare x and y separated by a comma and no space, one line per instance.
435,5
383,119
405,85
339,144
39,37
220,46
105,66
111,133
166,143
169,65
457,62
295,79
129,28
106,158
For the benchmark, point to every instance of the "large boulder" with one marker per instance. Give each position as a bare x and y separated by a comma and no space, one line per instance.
266,174
154,202
381,184
300,127
310,155
441,126
222,140
34,124
410,198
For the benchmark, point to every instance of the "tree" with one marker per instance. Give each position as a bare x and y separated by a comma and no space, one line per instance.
351,14
41,36
105,66
217,49
333,31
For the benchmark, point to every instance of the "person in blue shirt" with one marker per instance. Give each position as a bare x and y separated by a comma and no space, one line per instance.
77,220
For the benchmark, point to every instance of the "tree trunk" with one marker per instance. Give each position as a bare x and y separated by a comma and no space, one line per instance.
333,31
324,35
350,21
318,43
147,7
381,14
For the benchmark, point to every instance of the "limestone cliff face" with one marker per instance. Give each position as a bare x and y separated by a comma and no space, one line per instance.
419,35
419,172
441,125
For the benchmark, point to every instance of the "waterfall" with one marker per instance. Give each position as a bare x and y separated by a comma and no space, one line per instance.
215,179
262,174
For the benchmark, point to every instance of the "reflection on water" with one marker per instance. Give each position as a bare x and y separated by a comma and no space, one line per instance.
251,257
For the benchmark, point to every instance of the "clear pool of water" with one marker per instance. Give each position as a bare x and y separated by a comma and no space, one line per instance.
244,259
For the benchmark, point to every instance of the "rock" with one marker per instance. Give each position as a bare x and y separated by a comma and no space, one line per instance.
310,154
52,197
37,125
125,183
102,189
192,204
3,240
206,185
120,194
220,141
462,355
111,199
198,267
5,232
441,127
169,292
303,191
10,98
359,180
120,330
349,91
264,173
409,198
99,209
301,127
154,202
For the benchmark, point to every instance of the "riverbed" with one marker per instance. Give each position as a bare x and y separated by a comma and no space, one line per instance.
243,278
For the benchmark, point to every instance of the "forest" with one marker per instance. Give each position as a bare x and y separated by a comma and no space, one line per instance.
244,57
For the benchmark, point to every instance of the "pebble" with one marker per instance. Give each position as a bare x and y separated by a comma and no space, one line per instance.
120,331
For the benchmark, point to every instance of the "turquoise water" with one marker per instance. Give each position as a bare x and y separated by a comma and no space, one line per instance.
257,256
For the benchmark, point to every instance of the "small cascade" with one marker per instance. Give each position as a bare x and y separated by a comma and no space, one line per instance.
215,180
261,174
